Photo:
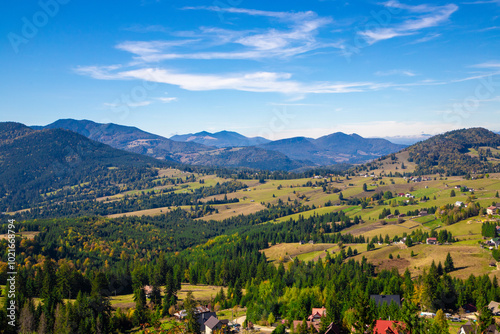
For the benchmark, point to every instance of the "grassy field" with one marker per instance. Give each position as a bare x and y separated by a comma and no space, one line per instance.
288,251
24,234
200,293
234,209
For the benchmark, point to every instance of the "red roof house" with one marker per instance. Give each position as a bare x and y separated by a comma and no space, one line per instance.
386,327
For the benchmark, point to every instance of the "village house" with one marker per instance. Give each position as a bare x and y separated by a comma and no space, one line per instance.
316,314
431,241
492,210
423,213
468,328
387,327
494,242
148,290
469,308
314,321
459,204
214,324
494,307
387,299
202,314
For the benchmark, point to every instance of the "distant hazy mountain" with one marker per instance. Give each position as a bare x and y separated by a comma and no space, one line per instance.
128,138
334,148
220,139
135,140
408,140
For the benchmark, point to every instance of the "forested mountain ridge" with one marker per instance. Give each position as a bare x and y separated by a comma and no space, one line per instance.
334,148
135,140
220,139
34,163
255,152
128,138
457,152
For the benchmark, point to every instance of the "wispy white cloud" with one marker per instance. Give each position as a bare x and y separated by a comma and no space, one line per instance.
297,37
489,65
426,16
407,73
166,99
129,104
481,2
250,82
427,38
146,28
270,82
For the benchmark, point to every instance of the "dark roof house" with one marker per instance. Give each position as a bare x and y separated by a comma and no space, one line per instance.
381,299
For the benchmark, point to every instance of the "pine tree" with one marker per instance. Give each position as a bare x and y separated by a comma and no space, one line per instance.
27,321
189,305
60,320
448,264
140,306
42,324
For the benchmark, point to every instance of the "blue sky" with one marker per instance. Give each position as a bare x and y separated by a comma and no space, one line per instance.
271,68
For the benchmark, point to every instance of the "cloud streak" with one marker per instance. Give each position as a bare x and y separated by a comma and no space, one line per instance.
262,82
299,37
424,16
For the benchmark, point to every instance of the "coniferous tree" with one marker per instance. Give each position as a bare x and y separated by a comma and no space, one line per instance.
189,305
448,264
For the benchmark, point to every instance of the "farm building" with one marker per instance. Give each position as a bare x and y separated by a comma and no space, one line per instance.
431,241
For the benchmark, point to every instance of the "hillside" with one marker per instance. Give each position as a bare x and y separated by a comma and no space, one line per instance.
220,139
128,138
37,162
137,141
250,157
334,148
458,152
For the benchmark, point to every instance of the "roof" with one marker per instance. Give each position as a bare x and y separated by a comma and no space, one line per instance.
380,299
212,322
386,327
430,239
470,308
317,311
494,307
332,329
309,324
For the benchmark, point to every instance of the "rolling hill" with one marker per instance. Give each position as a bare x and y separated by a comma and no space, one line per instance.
334,148
458,152
128,138
36,162
220,139
137,141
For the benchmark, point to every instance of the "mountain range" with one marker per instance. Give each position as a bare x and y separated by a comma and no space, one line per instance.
231,149
37,162
220,139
